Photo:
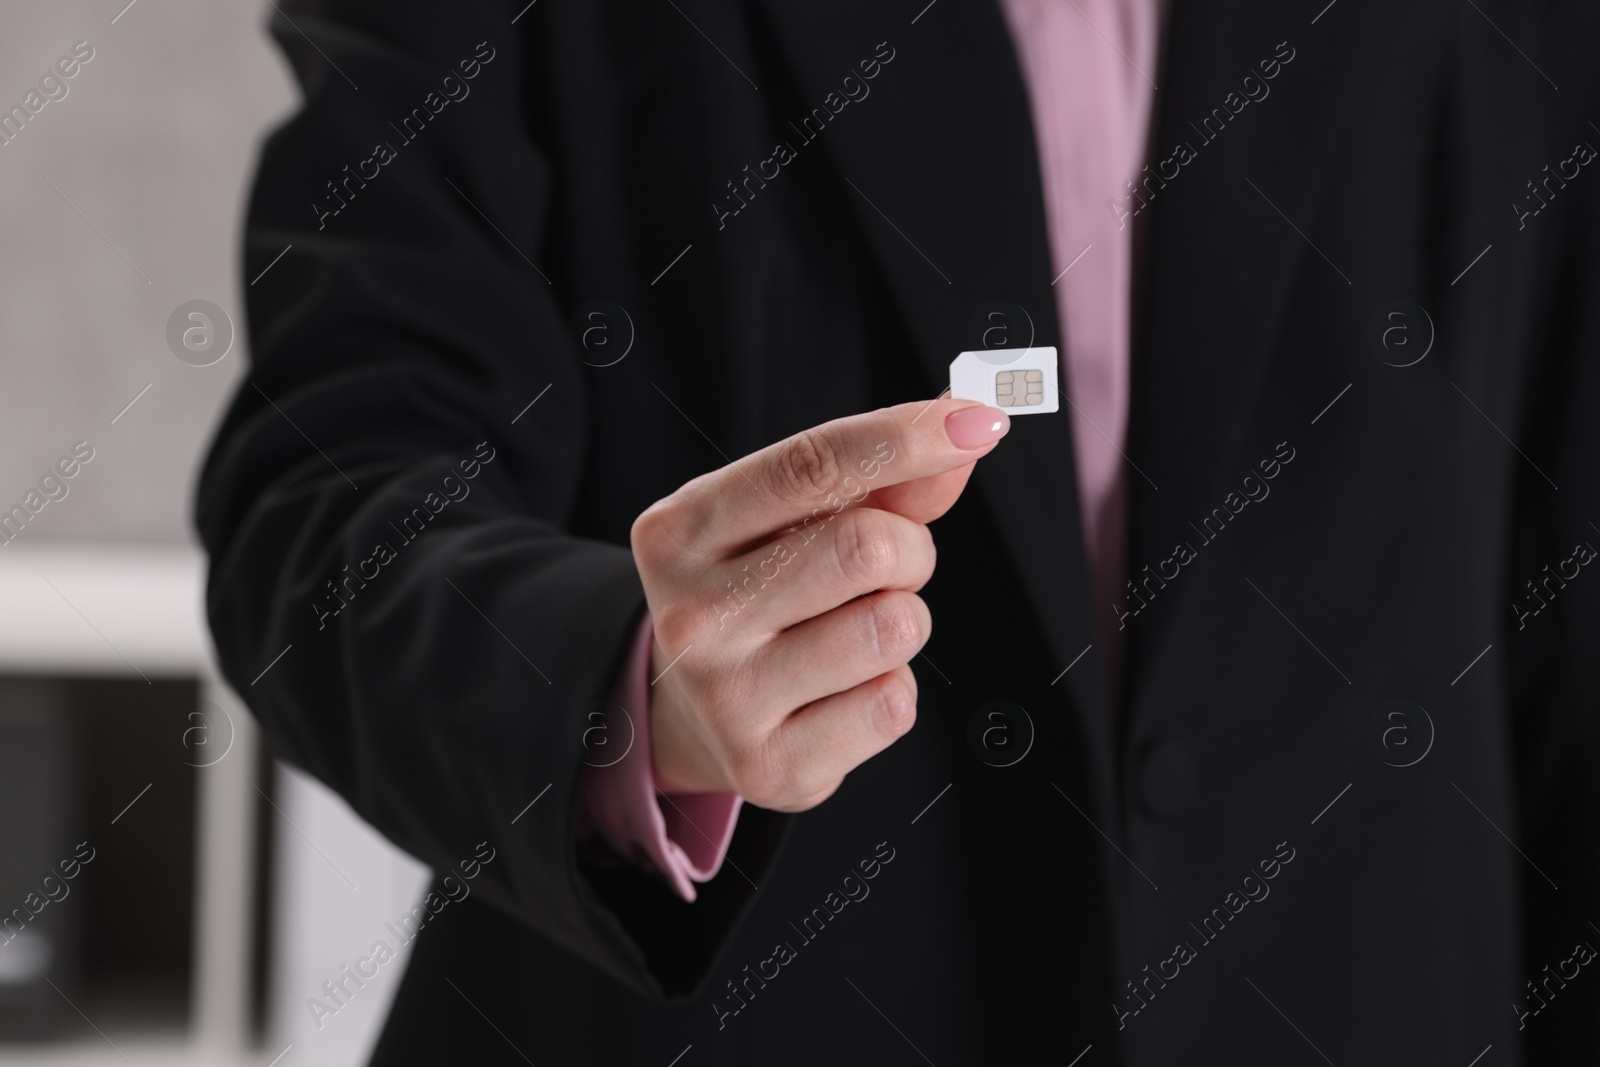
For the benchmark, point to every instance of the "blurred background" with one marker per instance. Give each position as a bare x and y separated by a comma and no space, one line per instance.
168,892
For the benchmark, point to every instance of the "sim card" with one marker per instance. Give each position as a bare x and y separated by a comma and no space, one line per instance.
1018,381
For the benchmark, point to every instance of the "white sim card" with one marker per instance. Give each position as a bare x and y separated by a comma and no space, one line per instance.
1018,381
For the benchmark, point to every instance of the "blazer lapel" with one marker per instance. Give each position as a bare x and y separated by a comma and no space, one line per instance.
1226,244
944,176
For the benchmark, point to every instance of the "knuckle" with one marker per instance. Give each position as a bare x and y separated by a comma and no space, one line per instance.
657,530
809,466
866,548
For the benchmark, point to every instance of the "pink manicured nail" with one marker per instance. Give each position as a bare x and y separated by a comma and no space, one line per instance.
976,427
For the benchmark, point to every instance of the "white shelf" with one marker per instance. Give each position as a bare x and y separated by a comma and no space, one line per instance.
131,612
156,1051
103,610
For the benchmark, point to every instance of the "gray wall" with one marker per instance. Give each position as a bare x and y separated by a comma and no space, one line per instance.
154,143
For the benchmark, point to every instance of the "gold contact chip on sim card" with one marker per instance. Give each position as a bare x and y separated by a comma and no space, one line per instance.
1018,381
1023,388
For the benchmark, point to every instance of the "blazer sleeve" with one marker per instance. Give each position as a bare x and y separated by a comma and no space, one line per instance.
394,586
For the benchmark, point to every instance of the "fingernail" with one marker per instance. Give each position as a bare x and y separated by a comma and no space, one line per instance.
976,427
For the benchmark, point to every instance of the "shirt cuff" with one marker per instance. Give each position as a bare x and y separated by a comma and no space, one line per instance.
682,837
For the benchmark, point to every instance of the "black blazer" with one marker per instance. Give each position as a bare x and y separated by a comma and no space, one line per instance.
549,262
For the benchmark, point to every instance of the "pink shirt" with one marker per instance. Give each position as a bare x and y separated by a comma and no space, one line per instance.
1088,66
682,837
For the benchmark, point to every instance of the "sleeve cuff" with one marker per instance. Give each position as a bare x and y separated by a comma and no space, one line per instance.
682,837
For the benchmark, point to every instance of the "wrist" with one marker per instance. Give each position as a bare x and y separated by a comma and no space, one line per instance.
679,760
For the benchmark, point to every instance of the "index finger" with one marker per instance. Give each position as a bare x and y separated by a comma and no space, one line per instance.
819,472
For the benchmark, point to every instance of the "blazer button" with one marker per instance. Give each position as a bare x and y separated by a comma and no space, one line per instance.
1167,778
